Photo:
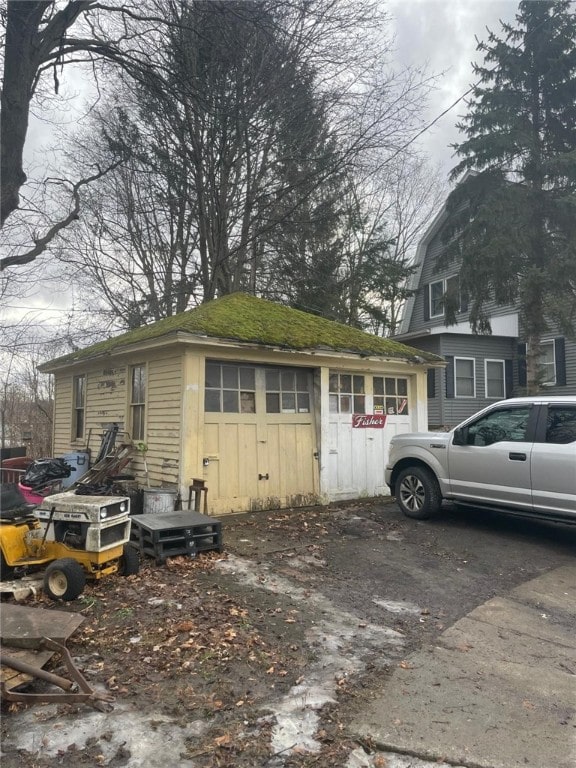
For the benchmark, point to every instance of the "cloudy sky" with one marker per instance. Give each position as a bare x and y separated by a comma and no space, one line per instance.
443,33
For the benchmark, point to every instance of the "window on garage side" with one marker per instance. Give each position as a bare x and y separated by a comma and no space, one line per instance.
229,388
347,393
390,395
79,387
138,402
287,390
464,377
494,372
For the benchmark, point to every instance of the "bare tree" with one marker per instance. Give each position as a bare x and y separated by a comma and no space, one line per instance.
258,110
41,39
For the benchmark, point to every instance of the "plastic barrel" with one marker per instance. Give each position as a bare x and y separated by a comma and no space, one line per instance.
81,463
159,500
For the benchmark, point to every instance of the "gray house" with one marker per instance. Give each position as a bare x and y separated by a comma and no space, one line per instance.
480,368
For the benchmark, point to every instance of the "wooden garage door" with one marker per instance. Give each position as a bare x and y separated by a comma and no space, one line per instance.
259,437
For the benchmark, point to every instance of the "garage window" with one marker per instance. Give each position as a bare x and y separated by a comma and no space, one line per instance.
390,395
347,393
138,401
230,388
79,406
287,391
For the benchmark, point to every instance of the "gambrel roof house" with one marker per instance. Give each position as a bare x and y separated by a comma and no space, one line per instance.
479,368
269,406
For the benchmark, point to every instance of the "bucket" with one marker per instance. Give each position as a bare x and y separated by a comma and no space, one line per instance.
81,463
159,500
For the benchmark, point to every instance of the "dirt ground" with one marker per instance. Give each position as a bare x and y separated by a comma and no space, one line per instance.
259,655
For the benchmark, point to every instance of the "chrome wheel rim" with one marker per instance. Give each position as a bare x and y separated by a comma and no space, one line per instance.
412,493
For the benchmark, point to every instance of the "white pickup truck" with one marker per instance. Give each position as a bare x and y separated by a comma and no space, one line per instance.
516,456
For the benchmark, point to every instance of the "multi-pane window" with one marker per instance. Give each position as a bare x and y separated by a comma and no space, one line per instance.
347,393
230,388
287,391
390,395
464,377
79,406
138,401
437,291
495,379
548,362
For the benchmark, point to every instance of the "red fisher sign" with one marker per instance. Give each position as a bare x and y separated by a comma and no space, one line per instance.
368,421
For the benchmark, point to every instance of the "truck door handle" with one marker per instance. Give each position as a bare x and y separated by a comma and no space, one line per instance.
517,456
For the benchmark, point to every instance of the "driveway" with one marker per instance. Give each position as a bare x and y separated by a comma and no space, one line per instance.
276,653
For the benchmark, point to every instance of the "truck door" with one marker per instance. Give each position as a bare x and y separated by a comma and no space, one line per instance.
494,465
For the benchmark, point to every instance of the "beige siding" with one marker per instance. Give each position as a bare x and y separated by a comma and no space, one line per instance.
163,419
62,414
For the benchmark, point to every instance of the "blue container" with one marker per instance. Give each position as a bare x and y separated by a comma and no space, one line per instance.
81,463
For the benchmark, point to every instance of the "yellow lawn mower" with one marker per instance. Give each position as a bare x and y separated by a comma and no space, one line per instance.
74,538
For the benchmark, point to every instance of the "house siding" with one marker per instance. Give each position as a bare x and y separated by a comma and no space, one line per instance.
453,410
431,274
163,420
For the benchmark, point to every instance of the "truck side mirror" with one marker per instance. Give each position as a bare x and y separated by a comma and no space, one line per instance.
460,436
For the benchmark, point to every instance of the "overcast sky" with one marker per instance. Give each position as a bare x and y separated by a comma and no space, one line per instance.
443,33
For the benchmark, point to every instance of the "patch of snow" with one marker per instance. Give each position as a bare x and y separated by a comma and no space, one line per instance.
151,741
361,759
397,607
342,641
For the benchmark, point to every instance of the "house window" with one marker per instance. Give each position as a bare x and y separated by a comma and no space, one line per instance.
347,393
437,291
230,388
287,390
548,362
390,395
79,406
464,377
138,401
494,374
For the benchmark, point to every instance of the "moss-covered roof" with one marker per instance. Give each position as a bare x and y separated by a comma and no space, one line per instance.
244,318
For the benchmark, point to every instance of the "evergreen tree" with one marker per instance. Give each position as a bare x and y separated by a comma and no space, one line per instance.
512,218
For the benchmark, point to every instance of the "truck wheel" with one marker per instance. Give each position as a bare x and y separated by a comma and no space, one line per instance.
417,493
64,579
129,562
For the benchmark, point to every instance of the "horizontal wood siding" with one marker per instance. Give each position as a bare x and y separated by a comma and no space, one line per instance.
62,434
431,274
108,402
456,409
164,419
570,353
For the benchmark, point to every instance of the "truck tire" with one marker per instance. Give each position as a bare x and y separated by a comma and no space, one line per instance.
417,493
64,579
129,562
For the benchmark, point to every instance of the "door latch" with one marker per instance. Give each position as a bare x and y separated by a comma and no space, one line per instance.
264,477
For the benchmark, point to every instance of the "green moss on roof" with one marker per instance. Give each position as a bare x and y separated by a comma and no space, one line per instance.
243,318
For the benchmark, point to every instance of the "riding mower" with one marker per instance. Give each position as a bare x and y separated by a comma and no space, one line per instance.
72,537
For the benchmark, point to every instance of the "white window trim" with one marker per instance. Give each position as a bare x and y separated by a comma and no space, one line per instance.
550,342
444,288
456,395
503,364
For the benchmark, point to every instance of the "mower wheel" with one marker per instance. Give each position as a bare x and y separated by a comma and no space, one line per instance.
129,562
6,572
64,579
